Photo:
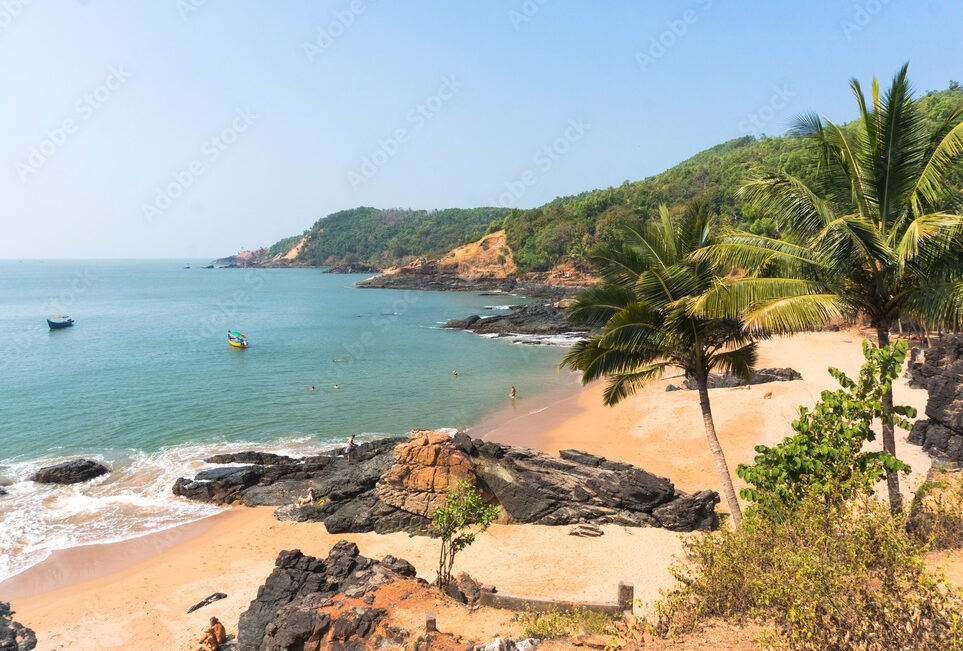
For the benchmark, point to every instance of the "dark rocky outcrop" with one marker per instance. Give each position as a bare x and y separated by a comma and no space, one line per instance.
13,635
70,472
759,376
940,372
395,485
533,318
352,268
296,607
426,277
252,457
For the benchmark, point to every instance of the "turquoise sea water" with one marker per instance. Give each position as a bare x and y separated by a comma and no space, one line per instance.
146,381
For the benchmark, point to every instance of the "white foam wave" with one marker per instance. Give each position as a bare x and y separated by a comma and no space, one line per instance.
135,499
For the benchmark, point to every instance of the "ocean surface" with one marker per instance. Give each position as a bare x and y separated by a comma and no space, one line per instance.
146,382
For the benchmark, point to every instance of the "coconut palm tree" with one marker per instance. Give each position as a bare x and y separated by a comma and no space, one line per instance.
876,234
642,307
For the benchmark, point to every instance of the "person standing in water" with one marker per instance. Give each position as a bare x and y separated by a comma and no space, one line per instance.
513,394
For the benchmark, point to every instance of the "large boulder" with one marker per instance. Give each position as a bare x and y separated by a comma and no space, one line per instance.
70,472
428,468
940,371
14,636
293,609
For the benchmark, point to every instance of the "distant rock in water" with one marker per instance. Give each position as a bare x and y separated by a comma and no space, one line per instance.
395,484
13,635
70,472
940,372
759,376
529,319
352,268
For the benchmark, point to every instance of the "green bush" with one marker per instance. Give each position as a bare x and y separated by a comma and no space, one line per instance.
843,577
826,456
936,517
464,509
555,624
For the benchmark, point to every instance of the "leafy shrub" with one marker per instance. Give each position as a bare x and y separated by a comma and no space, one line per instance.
500,259
463,509
555,624
825,457
936,517
843,577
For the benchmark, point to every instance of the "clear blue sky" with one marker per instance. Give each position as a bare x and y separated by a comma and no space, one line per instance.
194,128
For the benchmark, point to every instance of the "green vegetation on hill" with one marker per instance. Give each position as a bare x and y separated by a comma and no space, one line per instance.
572,225
385,237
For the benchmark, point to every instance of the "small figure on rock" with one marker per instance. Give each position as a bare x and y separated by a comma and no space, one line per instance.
349,448
307,499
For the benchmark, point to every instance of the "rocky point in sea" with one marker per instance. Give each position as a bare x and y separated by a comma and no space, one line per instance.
394,484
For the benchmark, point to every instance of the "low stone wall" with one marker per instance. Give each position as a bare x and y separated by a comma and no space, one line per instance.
508,601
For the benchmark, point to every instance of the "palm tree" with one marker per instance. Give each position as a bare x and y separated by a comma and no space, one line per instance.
876,234
642,306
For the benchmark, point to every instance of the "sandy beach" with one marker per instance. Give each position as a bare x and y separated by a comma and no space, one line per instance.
135,594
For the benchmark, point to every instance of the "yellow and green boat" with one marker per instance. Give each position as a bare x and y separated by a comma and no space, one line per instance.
236,339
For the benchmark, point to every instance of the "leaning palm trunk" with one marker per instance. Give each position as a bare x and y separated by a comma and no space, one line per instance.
889,434
717,454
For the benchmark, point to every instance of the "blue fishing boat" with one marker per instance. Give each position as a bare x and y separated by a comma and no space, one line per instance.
59,322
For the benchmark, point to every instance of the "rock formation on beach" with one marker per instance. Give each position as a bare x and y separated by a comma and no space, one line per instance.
13,635
759,376
941,374
70,472
395,484
348,602
301,604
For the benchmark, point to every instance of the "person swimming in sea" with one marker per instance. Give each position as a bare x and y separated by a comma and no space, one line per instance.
454,372
336,387
513,393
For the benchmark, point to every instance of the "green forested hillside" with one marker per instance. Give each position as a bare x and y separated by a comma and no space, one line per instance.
384,237
572,225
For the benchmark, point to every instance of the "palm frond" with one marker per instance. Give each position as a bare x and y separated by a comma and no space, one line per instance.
731,297
739,362
796,313
622,385
594,306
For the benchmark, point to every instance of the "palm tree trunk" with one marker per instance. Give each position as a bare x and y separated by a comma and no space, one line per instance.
889,436
717,455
